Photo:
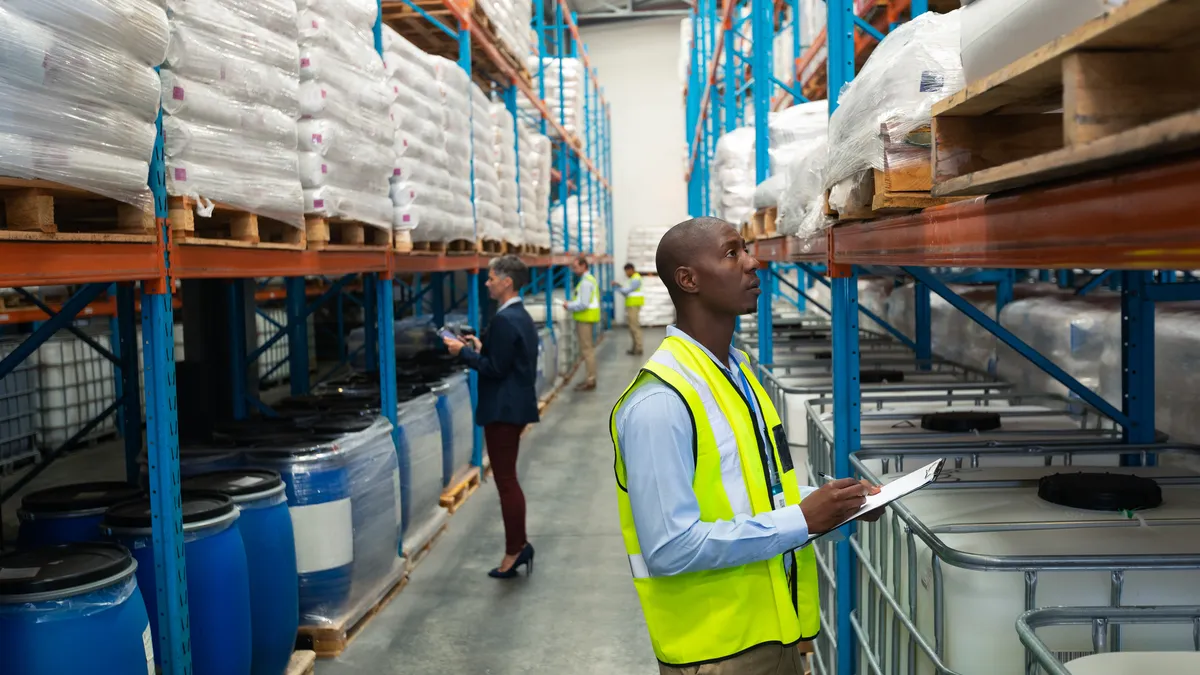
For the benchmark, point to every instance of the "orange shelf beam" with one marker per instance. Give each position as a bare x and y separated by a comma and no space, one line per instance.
49,263
790,249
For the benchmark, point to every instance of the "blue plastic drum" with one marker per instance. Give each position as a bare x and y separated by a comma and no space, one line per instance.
73,608
217,578
318,496
68,513
266,531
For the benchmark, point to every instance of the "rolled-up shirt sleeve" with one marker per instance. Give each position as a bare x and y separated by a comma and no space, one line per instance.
654,431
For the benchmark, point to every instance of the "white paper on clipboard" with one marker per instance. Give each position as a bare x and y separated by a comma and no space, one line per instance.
894,490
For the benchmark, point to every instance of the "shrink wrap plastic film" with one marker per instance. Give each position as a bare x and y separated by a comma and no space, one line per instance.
361,454
421,436
488,213
802,203
230,92
78,93
535,162
642,247
427,191
454,136
890,99
733,176
506,170
345,106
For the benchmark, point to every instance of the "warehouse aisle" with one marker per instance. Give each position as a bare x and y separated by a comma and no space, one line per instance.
577,614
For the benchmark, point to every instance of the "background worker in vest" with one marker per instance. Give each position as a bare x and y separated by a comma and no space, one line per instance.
585,309
634,299
711,511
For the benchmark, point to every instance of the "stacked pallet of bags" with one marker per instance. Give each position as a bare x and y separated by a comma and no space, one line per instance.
797,136
506,168
564,99
488,214
511,19
585,231
421,178
888,105
78,94
231,98
734,178
534,156
454,91
346,138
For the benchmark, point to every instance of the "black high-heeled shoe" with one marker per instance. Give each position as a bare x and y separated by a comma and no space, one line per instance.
525,557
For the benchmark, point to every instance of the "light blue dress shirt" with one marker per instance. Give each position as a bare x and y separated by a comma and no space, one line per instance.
633,285
654,429
583,298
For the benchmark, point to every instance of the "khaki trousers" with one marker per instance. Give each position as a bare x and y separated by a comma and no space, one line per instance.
587,347
762,660
633,316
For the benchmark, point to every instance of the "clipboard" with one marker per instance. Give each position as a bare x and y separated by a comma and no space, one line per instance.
894,490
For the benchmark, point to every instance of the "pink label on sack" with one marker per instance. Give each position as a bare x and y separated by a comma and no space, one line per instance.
305,62
406,142
322,93
316,138
324,168
405,218
314,24
180,173
395,172
318,203
177,93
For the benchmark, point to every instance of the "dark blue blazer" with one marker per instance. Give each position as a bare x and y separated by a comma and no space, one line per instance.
507,368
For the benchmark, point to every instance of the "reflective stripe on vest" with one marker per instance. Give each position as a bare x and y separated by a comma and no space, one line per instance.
690,615
635,298
592,313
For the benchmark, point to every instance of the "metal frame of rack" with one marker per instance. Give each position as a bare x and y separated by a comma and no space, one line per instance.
1147,233
585,169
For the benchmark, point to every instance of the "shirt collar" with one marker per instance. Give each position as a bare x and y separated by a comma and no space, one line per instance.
672,331
509,303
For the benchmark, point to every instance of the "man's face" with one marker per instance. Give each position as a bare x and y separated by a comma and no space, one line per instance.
578,269
726,273
497,285
628,273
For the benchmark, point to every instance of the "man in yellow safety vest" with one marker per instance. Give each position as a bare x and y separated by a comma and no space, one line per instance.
714,520
585,309
635,298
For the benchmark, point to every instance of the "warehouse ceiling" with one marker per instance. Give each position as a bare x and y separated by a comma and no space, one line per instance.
604,11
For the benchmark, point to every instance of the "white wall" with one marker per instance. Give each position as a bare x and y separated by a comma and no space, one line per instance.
637,64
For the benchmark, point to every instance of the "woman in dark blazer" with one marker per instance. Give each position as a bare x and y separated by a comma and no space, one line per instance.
506,361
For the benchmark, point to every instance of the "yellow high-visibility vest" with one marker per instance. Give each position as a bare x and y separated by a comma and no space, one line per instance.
592,313
635,298
697,617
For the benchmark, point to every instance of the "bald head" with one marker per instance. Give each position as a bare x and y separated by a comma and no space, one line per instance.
681,245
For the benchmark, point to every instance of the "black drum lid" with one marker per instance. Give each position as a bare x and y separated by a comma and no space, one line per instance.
960,421
57,568
198,506
1100,491
879,376
235,482
79,497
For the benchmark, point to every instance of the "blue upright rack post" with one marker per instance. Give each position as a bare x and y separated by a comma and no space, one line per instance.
762,22
473,317
297,332
131,407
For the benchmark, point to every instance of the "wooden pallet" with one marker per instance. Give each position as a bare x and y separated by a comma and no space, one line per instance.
229,226
39,210
530,249
304,662
1125,83
763,222
493,247
456,247
329,641
402,241
462,486
417,29
747,230
339,234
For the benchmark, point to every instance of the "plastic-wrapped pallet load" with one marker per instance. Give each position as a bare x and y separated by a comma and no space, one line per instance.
565,100
658,310
535,187
346,139
797,134
506,169
457,417
510,19
585,232
421,179
231,98
642,245
421,444
888,104
78,93
802,202
996,33
733,176
488,213
454,120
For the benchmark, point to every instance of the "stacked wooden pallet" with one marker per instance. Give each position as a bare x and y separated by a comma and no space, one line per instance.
39,210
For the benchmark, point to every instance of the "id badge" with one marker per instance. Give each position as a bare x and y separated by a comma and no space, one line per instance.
777,496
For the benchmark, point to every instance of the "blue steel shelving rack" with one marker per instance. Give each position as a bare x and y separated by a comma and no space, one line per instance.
1149,234
157,262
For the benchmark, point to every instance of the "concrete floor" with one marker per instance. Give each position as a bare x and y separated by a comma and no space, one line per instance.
577,614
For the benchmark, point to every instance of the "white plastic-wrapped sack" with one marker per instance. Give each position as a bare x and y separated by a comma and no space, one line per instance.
584,228
563,79
733,176
345,105
439,158
230,88
801,203
505,141
78,95
535,162
916,65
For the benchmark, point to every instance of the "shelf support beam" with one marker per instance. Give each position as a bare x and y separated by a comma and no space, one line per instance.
129,395
1137,358
847,395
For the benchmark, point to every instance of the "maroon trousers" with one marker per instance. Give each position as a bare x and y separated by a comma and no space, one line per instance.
502,443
